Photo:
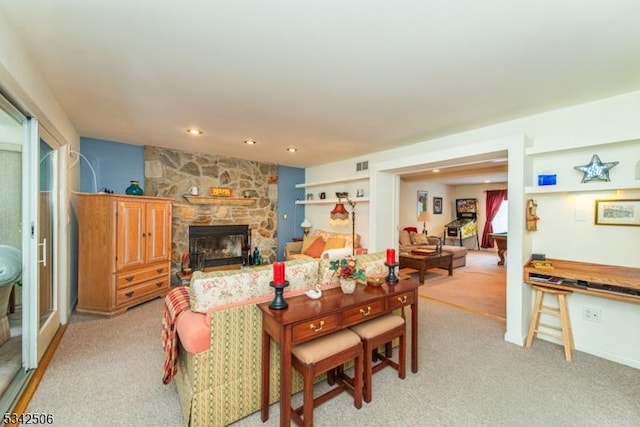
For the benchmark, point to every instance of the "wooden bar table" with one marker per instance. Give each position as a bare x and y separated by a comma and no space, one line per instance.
306,319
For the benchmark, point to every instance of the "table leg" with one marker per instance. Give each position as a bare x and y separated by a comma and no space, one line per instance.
285,380
266,364
501,255
421,271
414,334
451,266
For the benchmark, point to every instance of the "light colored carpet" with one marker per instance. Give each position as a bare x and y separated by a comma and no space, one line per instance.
108,372
479,286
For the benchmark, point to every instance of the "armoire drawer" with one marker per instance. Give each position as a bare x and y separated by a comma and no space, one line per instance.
132,293
132,277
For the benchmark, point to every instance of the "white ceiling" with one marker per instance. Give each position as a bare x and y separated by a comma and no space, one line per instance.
334,78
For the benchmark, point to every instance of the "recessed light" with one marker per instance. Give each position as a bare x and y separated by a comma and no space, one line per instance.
250,142
435,170
487,181
292,149
194,132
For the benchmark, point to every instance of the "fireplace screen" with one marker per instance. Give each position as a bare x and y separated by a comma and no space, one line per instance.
216,245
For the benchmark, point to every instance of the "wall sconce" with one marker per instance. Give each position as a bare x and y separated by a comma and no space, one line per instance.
306,226
424,217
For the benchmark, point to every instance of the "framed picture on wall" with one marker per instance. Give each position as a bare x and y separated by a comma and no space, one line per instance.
423,199
437,205
618,212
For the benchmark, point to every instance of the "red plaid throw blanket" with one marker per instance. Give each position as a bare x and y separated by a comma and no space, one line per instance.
176,301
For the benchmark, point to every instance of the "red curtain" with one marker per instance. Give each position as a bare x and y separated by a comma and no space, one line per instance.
494,200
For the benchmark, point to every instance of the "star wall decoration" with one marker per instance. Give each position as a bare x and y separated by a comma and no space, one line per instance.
596,170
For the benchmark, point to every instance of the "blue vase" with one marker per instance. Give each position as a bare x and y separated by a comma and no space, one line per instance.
134,189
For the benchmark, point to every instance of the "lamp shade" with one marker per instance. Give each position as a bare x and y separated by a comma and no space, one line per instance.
424,216
306,224
339,215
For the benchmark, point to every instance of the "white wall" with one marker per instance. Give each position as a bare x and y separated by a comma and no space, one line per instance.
560,235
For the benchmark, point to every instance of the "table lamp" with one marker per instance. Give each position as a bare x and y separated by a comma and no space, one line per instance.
306,226
424,217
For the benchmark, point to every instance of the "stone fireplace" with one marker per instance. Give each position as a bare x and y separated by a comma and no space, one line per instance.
171,173
218,245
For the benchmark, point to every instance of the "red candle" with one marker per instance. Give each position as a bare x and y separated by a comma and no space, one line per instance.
391,256
278,273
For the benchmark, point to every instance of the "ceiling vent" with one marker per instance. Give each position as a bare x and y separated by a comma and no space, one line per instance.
362,166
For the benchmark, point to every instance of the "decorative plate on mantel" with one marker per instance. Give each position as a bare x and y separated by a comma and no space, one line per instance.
208,200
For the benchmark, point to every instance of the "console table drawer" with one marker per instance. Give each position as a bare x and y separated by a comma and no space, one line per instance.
315,327
402,300
358,314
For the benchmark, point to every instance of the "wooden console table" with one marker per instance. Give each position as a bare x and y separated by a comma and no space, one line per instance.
306,319
607,281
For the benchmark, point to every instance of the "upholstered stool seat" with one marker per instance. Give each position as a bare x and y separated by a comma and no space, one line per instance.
536,326
378,332
322,355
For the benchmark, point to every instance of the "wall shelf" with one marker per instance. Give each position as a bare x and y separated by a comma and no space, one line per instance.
331,201
582,187
533,151
207,200
333,181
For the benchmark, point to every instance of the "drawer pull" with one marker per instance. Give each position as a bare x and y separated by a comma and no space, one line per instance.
402,299
129,278
365,312
158,284
159,270
129,294
317,328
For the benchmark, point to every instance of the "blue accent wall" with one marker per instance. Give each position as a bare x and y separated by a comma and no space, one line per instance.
115,164
289,227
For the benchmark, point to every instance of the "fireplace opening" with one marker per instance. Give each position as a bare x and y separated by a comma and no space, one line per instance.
216,245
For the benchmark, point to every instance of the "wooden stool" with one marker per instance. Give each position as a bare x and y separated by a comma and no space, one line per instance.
322,355
374,334
561,312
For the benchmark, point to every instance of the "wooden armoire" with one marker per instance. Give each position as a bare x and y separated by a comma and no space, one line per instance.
124,251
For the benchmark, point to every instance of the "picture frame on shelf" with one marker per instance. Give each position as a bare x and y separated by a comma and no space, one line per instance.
422,201
437,205
618,212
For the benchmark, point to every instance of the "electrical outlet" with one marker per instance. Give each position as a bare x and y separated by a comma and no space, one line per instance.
592,314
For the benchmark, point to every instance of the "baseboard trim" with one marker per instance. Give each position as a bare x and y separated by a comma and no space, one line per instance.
32,385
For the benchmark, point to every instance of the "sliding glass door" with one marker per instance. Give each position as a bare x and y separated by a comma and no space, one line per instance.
13,134
29,206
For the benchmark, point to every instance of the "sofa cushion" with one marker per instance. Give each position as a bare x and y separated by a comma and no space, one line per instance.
316,248
306,242
334,243
348,239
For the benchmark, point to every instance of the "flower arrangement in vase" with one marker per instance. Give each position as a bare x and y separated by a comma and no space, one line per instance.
348,273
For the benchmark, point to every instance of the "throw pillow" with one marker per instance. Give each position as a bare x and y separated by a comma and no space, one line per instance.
307,241
405,239
316,248
334,243
420,239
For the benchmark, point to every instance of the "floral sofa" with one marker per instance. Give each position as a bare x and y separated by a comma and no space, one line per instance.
412,240
219,380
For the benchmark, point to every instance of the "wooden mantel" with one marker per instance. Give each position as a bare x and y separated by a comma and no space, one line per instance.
208,200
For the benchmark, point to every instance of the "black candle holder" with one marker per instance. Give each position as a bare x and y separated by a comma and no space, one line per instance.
278,302
392,278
